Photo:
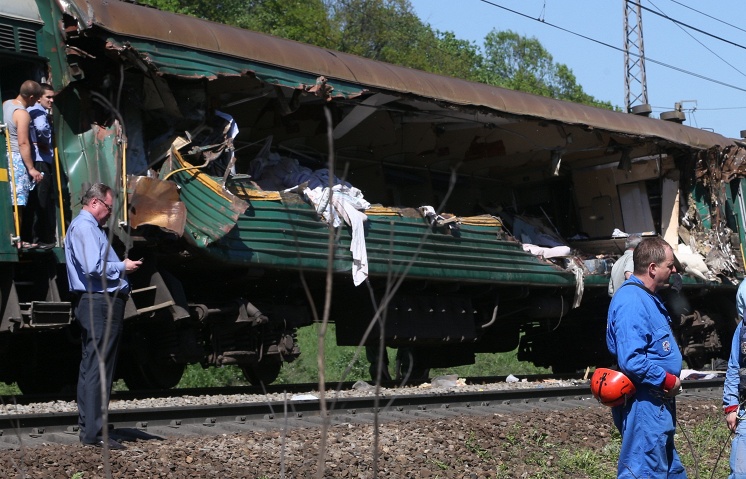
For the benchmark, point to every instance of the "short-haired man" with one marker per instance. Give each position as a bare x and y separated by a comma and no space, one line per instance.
639,335
97,279
20,156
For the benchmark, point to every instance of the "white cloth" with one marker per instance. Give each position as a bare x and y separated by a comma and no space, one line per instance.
345,205
547,252
232,131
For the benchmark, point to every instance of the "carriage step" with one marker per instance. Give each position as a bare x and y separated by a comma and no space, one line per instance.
48,314
144,290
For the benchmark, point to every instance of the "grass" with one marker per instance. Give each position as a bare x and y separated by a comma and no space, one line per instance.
704,448
339,358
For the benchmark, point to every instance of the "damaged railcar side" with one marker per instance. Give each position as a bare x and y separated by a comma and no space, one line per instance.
559,177
465,218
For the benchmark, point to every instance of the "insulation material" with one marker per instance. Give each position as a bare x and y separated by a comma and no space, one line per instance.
670,210
155,203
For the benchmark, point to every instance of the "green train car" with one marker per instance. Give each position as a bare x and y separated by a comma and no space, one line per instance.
270,184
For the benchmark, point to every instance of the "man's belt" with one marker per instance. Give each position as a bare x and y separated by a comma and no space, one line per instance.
119,294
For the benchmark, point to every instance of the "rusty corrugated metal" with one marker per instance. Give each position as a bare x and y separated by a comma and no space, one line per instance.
118,17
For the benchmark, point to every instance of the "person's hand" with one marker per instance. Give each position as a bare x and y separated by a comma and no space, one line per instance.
675,390
35,175
731,419
132,266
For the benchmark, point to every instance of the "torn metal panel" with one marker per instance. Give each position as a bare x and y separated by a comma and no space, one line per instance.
733,163
153,202
706,219
90,157
212,211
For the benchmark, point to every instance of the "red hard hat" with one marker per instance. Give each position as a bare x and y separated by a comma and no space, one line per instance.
611,388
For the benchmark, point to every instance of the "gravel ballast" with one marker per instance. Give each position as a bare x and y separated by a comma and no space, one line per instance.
498,445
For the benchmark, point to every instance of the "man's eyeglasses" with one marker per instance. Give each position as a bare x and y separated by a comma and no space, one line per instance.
108,208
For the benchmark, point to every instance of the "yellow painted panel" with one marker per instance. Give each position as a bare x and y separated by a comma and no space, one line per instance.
4,175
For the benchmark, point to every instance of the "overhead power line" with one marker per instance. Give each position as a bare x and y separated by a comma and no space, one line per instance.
678,22
585,37
709,16
697,40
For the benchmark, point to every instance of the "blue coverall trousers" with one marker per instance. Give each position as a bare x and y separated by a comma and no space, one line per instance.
738,450
647,424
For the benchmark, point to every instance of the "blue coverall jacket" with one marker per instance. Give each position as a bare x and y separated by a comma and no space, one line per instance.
638,333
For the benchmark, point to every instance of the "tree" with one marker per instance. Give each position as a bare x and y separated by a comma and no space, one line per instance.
304,21
378,29
521,63
447,55
222,11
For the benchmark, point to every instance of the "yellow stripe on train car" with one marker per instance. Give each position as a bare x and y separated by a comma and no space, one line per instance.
4,175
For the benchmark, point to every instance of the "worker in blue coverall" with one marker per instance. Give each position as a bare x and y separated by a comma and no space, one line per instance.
734,392
639,335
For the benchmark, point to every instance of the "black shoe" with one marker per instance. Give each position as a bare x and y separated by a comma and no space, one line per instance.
45,245
113,444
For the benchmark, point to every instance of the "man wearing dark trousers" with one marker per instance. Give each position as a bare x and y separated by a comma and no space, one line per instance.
40,212
98,281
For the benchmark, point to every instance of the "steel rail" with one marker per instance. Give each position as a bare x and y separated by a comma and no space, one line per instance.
160,422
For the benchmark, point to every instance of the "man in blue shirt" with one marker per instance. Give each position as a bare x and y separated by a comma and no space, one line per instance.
734,393
639,335
40,211
98,281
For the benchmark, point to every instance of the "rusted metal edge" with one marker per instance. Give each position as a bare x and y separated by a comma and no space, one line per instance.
175,29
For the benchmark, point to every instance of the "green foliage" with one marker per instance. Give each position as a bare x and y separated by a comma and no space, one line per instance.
337,360
304,21
521,63
195,376
498,364
9,389
222,11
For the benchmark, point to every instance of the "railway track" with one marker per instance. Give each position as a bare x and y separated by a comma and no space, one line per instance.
302,411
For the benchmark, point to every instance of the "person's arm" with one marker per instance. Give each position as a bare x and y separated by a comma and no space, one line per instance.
23,121
43,129
629,267
632,325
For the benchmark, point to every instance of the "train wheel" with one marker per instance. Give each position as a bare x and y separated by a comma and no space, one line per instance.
153,374
262,373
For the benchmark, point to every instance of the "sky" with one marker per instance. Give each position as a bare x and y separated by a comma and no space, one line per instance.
707,75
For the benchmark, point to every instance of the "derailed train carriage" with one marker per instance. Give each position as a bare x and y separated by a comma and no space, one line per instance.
464,218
